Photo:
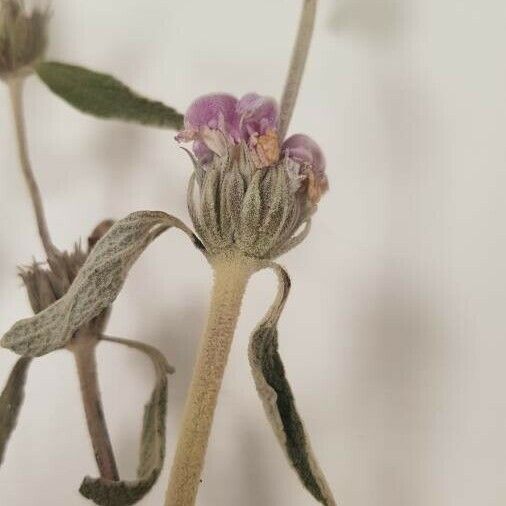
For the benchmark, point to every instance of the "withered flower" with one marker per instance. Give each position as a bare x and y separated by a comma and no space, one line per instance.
23,37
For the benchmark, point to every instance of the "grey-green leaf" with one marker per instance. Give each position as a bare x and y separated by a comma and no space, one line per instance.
104,96
95,287
11,401
277,397
152,450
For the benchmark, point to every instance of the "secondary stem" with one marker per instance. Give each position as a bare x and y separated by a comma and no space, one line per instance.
83,346
297,64
16,96
231,274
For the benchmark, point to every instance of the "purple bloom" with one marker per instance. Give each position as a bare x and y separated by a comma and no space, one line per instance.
306,152
218,123
257,114
213,121
215,111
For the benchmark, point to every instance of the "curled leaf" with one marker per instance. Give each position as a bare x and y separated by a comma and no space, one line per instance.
104,96
277,397
11,401
95,287
152,450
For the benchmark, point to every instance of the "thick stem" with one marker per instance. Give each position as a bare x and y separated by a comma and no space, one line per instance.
297,64
231,274
16,96
83,346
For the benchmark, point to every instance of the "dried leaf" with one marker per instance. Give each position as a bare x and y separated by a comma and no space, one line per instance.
277,397
104,96
95,287
11,401
152,449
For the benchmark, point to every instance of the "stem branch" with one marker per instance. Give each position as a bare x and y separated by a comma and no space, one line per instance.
231,276
83,346
16,96
297,64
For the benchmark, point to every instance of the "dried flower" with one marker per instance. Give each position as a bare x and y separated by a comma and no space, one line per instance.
47,285
23,37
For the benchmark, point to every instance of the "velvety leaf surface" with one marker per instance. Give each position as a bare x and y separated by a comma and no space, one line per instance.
95,287
277,397
152,449
11,401
104,96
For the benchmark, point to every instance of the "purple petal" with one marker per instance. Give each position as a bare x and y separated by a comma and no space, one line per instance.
257,115
216,111
304,150
202,152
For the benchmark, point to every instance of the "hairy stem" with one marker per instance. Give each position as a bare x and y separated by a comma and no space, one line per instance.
231,274
297,64
83,346
16,96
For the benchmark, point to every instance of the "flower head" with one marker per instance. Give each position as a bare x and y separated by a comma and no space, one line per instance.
218,123
256,191
23,37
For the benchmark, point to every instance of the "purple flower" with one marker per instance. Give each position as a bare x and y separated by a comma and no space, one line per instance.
215,111
218,123
213,121
305,151
257,115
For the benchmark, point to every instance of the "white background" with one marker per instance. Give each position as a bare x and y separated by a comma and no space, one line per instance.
394,333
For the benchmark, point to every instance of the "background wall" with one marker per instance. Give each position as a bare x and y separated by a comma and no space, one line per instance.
393,336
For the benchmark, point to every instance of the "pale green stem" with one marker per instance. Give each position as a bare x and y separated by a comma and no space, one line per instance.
297,65
231,275
16,96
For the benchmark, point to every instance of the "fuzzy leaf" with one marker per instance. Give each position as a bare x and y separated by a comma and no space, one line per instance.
11,401
277,397
152,450
104,96
95,287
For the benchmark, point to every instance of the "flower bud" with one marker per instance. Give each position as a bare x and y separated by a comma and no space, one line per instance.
23,38
254,195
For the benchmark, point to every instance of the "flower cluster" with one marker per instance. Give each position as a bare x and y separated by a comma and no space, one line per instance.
23,37
219,123
256,190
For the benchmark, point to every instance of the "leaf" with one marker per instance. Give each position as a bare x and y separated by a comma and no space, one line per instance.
277,397
11,401
96,285
104,96
152,449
